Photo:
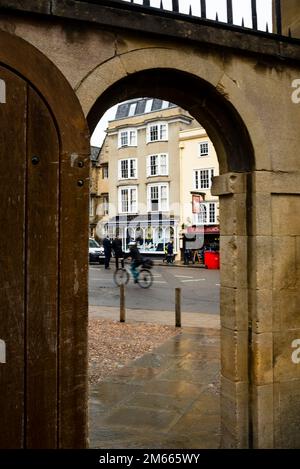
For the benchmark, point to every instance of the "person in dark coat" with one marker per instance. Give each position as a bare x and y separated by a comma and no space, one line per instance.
170,252
186,252
118,251
107,251
136,259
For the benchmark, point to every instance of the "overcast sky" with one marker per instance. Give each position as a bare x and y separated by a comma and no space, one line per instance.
241,9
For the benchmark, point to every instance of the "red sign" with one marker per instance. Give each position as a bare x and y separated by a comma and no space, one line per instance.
211,230
197,199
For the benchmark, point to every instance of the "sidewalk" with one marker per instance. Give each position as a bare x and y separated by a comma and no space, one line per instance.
169,398
160,263
203,320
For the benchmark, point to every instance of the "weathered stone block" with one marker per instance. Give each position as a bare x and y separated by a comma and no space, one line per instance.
284,263
260,262
286,355
263,418
262,358
234,414
261,221
37,6
285,209
287,414
229,183
261,310
234,261
233,219
283,183
261,181
234,354
286,307
234,308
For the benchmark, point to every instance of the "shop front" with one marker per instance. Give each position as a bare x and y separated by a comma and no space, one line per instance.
152,232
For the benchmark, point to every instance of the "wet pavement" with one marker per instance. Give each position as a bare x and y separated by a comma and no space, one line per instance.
168,398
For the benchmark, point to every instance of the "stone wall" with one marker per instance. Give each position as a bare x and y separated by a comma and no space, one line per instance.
259,208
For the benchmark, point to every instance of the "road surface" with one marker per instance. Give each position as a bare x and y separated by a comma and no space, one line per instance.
200,289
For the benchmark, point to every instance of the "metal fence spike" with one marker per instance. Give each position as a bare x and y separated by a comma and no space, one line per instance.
175,6
203,8
278,16
254,14
229,12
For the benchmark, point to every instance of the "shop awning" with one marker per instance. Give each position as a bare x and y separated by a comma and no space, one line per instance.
212,230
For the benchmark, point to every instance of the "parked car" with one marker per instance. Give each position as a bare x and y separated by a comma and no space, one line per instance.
96,252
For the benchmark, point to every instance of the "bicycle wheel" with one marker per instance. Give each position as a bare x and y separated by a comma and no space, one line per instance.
121,277
145,278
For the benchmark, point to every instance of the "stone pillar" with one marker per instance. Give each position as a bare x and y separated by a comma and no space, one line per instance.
232,190
260,266
274,308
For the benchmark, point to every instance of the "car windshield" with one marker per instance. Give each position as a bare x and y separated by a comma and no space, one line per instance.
93,244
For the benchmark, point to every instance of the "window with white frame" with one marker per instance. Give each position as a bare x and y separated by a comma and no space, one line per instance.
157,131
157,165
203,178
105,204
128,199
207,214
105,171
92,206
127,138
127,168
158,197
203,149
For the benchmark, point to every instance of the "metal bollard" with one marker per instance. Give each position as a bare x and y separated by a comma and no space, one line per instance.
122,303
178,307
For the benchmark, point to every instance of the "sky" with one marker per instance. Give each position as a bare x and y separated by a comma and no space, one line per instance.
241,9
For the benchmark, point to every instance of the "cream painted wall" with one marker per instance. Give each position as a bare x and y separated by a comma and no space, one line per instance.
189,143
177,120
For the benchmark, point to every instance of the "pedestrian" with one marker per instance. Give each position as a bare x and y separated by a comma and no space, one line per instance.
170,251
118,251
186,252
107,251
165,259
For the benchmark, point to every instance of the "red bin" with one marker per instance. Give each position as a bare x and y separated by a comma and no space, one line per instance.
212,260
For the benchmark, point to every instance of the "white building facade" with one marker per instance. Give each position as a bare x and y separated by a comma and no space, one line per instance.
158,160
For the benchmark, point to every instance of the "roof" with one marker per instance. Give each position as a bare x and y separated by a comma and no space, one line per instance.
136,107
95,151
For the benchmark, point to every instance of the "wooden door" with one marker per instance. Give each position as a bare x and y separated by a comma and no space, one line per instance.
43,274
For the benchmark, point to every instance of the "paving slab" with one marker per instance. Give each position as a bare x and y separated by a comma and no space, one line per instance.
168,398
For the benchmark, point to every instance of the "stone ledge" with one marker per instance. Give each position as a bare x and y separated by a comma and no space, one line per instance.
192,29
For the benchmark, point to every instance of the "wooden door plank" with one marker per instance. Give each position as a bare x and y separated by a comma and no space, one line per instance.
73,300
12,239
42,276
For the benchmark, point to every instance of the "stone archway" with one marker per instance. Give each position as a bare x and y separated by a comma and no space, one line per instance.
44,156
236,157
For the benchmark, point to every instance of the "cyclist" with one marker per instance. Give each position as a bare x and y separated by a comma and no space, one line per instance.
136,259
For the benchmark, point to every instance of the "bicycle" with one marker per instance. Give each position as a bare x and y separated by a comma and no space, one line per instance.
144,278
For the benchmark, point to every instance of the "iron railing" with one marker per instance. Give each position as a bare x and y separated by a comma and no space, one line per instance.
198,11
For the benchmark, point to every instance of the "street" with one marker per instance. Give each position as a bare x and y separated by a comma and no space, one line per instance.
200,289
